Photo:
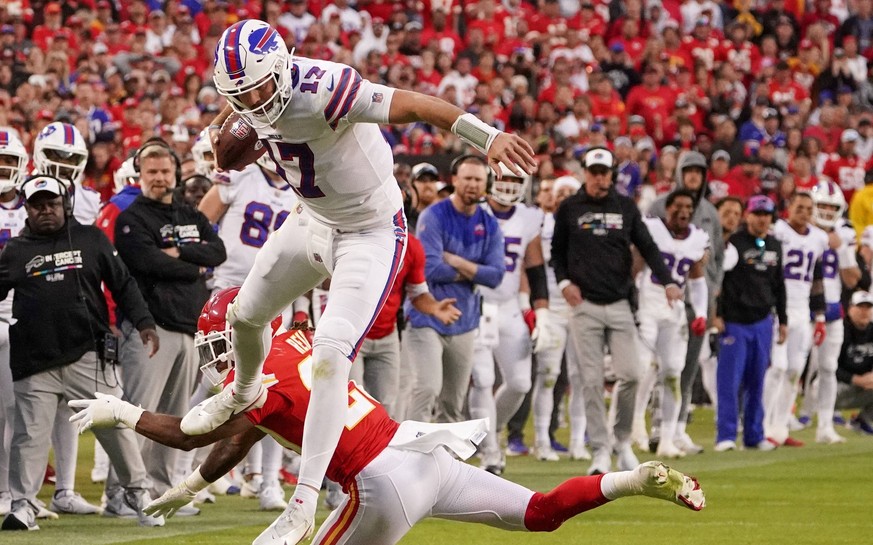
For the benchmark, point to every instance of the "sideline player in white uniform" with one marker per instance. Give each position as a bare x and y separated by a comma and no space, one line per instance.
839,267
13,165
548,361
204,157
60,150
663,328
803,245
503,336
318,122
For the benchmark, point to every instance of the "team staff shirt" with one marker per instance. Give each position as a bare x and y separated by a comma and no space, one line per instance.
12,218
591,246
288,378
410,280
520,225
174,288
856,355
58,311
328,146
476,238
754,286
679,254
830,271
800,253
256,208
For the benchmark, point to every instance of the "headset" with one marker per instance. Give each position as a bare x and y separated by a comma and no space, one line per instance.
66,198
157,141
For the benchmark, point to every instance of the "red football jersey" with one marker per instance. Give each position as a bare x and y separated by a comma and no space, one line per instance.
411,272
287,376
848,172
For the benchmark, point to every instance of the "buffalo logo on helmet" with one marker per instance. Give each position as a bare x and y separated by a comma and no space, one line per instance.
263,40
47,131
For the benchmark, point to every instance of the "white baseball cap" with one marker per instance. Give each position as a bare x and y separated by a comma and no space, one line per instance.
599,156
862,298
38,184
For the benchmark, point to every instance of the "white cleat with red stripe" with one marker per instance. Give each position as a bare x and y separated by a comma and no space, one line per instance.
292,527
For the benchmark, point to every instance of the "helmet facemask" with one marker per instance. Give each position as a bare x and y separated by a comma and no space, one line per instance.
67,166
508,191
12,167
825,215
269,110
216,355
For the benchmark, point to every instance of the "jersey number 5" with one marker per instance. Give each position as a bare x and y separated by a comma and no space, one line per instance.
360,404
302,155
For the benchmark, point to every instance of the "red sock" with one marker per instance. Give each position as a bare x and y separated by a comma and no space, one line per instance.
547,512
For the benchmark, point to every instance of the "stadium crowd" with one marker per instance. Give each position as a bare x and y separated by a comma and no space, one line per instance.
743,130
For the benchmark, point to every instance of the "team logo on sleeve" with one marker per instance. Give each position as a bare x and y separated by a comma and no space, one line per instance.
377,98
263,40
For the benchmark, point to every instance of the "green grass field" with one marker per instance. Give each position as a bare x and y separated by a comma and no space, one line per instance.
811,495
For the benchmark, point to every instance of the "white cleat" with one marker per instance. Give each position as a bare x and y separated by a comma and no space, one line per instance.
626,459
250,487
602,462
666,449
216,410
292,527
829,436
685,443
724,446
662,482
271,497
545,453
579,453
72,503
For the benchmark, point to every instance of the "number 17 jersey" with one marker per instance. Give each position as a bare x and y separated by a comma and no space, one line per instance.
329,147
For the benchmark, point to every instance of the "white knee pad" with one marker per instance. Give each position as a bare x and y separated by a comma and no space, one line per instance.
338,333
237,321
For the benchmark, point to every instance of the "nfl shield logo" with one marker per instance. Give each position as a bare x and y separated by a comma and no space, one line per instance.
240,129
377,98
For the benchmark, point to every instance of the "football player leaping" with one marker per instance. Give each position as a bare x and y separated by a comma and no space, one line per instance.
839,266
318,122
662,334
503,336
373,454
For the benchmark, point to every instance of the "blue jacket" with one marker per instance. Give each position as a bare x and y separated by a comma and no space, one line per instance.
477,238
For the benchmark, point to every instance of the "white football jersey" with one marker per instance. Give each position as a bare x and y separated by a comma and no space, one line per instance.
86,205
799,255
12,216
519,226
256,208
830,264
679,255
328,146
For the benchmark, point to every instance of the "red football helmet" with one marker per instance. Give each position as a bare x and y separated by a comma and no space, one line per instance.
214,338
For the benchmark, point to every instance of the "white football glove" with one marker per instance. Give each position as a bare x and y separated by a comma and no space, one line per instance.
104,411
177,497
543,336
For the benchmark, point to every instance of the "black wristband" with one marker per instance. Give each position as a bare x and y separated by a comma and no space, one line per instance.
536,277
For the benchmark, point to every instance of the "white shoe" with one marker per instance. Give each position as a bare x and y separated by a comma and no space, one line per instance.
639,437
828,436
204,496
216,410
666,449
72,503
579,452
115,506
137,499
685,443
221,487
187,510
545,453
794,424
5,503
663,482
250,487
43,513
626,460
292,527
765,446
601,463
271,497
22,516
724,446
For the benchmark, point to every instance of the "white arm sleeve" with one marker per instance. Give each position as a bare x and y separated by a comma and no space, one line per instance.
699,296
372,104
414,290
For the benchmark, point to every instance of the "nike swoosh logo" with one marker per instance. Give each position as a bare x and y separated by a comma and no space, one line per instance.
330,87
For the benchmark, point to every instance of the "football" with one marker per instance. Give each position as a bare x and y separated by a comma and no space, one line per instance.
238,144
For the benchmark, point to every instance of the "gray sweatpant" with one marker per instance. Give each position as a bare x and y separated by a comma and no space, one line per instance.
37,399
591,327
377,369
163,384
443,365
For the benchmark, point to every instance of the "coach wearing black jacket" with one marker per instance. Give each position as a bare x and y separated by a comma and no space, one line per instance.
591,256
168,246
57,340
